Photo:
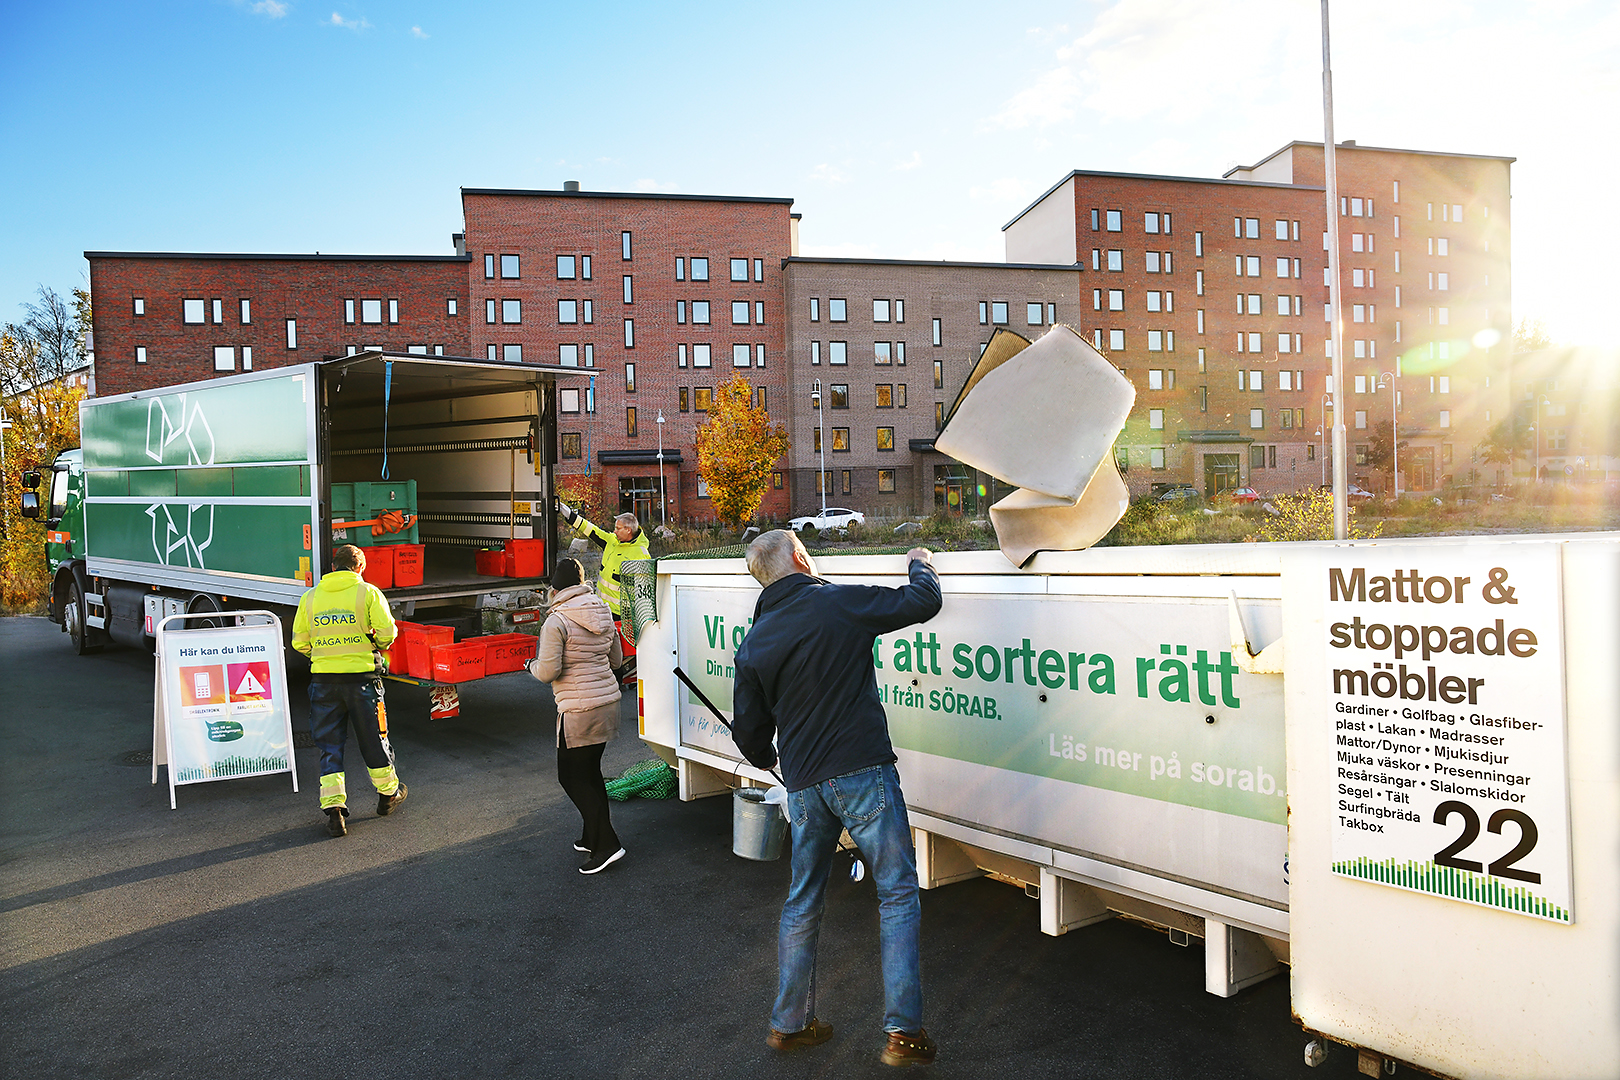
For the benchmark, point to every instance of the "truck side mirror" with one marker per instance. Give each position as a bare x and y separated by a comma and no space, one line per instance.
30,504
30,480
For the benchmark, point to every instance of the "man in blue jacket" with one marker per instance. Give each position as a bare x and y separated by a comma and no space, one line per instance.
804,674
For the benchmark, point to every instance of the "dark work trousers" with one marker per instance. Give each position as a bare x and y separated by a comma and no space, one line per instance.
333,708
579,771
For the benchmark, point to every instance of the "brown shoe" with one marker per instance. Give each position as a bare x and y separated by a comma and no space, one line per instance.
386,803
814,1034
909,1049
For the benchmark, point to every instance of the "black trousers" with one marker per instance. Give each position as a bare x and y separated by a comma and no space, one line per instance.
579,771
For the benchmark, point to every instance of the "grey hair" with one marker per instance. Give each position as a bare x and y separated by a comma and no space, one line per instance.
770,556
628,519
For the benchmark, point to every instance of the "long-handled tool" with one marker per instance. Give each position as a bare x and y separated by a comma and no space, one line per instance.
701,696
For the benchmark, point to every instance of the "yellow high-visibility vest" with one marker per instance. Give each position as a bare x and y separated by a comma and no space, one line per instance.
334,619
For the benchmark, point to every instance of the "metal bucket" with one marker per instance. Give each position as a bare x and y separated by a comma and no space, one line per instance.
758,828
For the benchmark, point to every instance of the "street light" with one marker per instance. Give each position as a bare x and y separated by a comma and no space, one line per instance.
663,501
1321,453
821,429
1535,430
1387,378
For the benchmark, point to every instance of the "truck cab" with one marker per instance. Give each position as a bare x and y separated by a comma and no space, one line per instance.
57,496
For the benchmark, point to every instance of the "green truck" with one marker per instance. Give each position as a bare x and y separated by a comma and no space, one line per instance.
230,493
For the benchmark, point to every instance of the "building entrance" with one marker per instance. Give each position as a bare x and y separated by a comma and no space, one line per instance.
638,495
1221,473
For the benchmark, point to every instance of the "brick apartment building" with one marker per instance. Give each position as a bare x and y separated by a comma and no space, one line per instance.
1212,296
165,318
663,296
1209,293
891,342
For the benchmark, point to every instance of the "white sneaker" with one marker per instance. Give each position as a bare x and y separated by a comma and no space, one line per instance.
598,865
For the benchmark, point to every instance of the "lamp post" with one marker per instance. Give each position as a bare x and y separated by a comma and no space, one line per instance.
663,501
1535,431
1387,378
1327,403
821,430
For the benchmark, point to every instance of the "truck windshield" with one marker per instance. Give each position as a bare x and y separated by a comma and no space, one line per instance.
59,489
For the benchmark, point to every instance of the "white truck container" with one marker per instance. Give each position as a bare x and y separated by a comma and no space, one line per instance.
1111,730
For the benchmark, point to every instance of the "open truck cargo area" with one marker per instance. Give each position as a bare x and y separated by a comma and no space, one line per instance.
232,493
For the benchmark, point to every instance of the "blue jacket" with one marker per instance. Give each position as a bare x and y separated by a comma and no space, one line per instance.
804,673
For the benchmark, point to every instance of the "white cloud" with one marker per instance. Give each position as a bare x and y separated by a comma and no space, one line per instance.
1008,189
1050,100
914,161
417,32
829,174
273,8
349,24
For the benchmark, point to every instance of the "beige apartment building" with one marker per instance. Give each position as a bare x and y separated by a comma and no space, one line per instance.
888,344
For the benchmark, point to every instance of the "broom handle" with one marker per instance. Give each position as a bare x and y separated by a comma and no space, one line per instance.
701,696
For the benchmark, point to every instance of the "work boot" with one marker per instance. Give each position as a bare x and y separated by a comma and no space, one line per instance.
909,1049
814,1034
334,820
386,803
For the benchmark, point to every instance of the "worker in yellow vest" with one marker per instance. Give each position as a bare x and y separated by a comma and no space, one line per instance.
626,541
341,625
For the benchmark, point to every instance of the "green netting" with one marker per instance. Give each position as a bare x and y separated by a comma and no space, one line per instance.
638,584
650,779
736,551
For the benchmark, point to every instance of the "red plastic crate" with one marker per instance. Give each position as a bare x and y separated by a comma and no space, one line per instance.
490,563
525,558
459,663
398,662
379,566
419,645
509,652
408,560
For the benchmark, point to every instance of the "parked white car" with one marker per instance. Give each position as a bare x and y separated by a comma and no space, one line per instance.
834,517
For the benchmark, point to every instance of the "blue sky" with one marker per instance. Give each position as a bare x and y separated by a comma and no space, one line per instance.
902,130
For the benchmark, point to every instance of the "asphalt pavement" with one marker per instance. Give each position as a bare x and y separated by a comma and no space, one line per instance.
233,938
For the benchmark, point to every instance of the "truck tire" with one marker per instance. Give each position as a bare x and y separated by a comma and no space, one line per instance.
73,621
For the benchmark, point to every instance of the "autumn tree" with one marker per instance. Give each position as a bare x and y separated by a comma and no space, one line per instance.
737,450
42,422
1307,515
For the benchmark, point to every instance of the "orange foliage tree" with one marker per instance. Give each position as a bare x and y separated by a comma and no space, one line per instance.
583,492
43,422
737,450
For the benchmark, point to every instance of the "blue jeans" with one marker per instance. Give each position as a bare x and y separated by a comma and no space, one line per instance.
868,803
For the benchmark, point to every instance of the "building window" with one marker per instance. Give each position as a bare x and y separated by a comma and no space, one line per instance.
489,353
739,356
939,374
885,481
700,313
1116,341
489,266
680,312
884,395
1113,221
837,352
885,438
815,309
1257,419
815,352
140,354
1156,419
629,290
629,331
881,354
702,488
450,306
700,269
567,355
939,335
739,269
571,440
880,311
998,312
701,357
840,440
624,253
776,481
292,333
837,310
630,428
1445,419
140,305
565,268
489,311
838,395
224,358
702,398
568,400
192,311
1034,312
680,268
587,310
739,312
512,354
759,357
1116,299
759,313
511,311
759,269
629,378
348,312
509,266
585,267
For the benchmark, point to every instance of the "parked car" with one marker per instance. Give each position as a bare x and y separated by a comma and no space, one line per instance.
1354,495
1179,495
1241,495
834,517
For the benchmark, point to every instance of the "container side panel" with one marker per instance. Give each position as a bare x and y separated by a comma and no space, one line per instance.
262,420
266,541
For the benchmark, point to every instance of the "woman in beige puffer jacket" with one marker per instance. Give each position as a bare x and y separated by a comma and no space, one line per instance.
579,648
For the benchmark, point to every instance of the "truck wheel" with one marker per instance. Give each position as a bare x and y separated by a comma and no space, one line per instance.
73,619
202,604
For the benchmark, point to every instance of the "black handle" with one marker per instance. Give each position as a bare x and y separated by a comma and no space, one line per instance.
701,696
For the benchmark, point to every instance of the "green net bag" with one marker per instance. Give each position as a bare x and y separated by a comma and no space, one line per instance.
651,779
638,584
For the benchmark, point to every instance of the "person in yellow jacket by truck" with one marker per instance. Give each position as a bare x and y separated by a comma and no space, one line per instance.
627,541
341,624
